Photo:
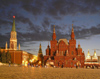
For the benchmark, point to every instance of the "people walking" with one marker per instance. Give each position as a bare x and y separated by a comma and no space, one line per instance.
9,63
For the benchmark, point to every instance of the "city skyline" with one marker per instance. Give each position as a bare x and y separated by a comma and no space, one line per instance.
35,19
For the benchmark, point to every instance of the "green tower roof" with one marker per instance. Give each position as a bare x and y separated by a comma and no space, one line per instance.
13,27
40,50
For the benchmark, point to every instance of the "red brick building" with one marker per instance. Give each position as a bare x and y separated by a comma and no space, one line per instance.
64,53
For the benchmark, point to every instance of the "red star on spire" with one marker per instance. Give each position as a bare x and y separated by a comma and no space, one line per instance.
13,16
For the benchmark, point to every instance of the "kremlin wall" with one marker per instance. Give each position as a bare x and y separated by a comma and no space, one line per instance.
60,53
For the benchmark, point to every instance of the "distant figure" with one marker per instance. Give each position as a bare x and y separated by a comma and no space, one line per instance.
9,63
28,64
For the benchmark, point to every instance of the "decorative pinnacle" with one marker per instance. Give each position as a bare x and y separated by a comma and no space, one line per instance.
72,28
72,25
40,45
54,29
13,27
94,50
6,42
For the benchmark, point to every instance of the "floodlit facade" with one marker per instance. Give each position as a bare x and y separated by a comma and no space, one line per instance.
91,61
64,53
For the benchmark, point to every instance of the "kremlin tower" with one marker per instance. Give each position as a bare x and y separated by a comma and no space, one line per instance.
13,37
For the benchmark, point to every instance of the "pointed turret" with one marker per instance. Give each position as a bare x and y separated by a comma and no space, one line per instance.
72,28
94,57
88,57
40,56
79,45
13,27
54,29
19,46
6,46
48,50
54,34
40,50
72,33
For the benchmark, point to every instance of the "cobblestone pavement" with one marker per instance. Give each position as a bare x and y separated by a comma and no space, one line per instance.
47,73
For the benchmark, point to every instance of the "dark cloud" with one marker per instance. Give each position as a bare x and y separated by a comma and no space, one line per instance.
35,7
3,22
81,34
46,23
65,7
98,26
4,39
54,8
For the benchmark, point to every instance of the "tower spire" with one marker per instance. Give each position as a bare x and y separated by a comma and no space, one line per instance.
40,50
72,33
72,28
13,27
13,37
54,34
88,57
79,45
40,45
88,53
54,29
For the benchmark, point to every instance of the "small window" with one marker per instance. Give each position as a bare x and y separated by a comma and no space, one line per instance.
72,52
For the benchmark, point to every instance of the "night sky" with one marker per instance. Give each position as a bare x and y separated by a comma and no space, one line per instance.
35,19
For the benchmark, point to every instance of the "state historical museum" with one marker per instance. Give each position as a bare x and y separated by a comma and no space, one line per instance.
64,53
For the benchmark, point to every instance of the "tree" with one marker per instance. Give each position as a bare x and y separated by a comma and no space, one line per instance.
3,57
8,57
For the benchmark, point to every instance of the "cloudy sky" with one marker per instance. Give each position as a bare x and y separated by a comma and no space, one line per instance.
35,20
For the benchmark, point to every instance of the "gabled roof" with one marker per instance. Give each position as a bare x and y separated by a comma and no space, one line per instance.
65,40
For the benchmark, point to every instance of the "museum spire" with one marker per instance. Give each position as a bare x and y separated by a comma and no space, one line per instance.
72,33
54,34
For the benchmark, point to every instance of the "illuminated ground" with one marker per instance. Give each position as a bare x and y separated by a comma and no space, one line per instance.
47,73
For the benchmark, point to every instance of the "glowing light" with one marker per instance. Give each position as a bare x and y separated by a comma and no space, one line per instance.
13,16
26,63
23,62
39,62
